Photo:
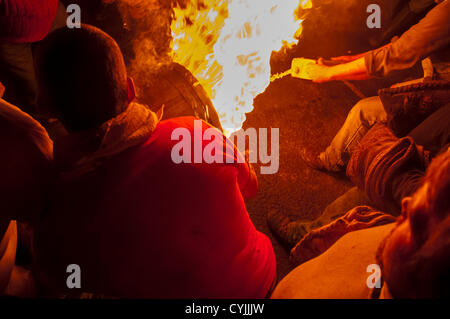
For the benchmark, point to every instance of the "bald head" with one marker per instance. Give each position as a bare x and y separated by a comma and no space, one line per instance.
82,77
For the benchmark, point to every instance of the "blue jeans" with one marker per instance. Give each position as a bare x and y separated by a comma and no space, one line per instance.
354,197
361,118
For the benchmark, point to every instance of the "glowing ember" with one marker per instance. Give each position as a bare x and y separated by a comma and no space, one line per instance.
227,45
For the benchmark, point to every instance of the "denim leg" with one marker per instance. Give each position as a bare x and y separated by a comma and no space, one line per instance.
360,119
354,197
17,75
434,132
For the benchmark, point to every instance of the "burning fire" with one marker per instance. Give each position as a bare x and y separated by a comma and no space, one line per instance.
227,45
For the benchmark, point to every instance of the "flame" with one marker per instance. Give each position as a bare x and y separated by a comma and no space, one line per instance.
227,45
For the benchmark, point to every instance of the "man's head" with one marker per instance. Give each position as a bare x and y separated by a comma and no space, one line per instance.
82,77
415,257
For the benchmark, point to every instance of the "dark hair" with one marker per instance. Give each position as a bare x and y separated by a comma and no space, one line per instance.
82,77
425,273
438,177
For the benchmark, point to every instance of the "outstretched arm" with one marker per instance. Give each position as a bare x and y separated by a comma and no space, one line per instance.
319,72
347,67
426,37
350,58
355,70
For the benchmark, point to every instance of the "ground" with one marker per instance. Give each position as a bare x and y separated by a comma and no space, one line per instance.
308,115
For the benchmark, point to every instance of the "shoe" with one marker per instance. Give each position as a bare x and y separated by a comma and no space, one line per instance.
288,231
312,160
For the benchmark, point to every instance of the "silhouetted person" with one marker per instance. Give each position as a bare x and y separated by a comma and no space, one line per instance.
138,224
26,176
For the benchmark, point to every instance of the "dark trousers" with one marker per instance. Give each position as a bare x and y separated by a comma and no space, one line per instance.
17,70
434,132
18,76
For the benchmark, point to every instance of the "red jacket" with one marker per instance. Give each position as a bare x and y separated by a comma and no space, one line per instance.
24,21
142,226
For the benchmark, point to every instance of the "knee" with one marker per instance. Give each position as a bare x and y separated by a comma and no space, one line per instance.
357,111
369,111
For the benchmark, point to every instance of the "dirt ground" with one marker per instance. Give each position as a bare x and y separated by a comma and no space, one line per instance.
308,115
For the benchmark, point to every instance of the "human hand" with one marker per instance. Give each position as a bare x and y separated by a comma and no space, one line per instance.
308,69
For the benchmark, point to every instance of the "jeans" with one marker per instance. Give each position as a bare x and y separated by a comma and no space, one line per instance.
296,230
17,75
361,118
434,132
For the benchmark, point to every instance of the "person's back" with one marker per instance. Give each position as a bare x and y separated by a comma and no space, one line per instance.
26,174
141,226
25,164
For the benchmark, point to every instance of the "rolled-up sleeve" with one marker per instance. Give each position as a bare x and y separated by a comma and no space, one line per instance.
423,39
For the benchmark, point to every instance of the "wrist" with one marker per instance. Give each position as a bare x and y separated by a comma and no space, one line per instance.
331,73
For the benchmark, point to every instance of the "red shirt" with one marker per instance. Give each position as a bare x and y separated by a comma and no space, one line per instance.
25,21
142,226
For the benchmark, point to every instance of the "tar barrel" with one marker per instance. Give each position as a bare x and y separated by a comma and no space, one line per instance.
181,94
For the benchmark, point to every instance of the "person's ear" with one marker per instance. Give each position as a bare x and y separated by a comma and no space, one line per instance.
419,220
2,90
405,204
160,113
131,90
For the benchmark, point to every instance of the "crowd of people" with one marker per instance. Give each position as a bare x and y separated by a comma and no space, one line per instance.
88,179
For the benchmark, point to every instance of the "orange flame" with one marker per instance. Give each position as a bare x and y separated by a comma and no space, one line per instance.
227,45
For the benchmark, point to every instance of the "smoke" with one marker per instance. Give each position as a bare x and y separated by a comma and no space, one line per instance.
148,22
149,40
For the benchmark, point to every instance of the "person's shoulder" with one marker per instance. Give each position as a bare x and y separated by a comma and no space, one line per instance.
16,123
440,10
161,141
13,114
187,134
186,122
170,131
